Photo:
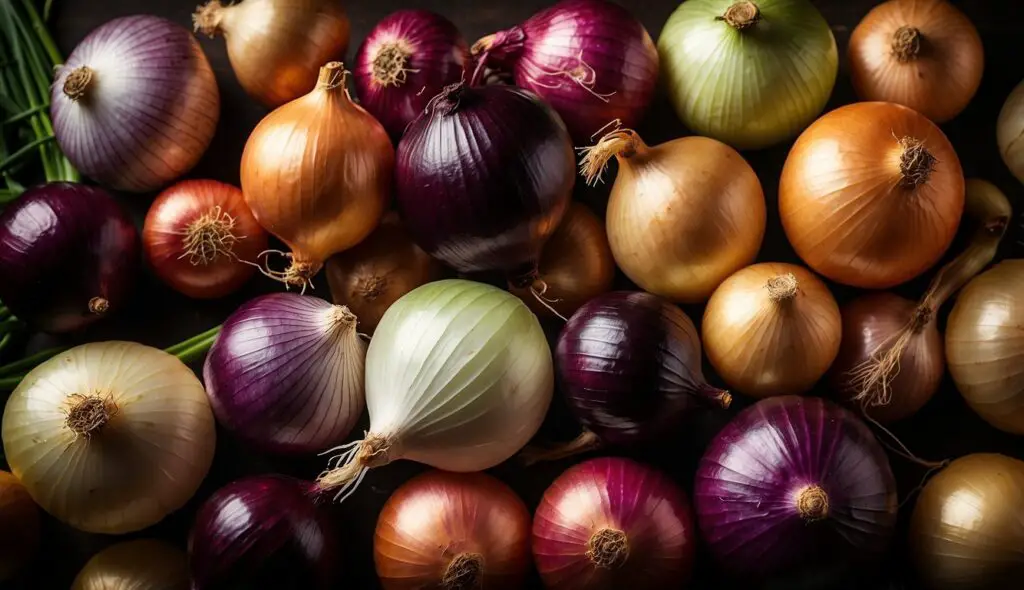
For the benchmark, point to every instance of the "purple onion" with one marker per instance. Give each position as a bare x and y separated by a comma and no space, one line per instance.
286,373
796,490
68,256
136,104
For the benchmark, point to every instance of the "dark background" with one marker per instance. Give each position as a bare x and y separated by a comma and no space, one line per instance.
946,428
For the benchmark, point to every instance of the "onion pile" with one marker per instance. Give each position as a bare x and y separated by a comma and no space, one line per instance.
1010,130
144,564
19,526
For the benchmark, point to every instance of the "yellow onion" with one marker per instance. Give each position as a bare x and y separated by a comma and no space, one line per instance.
1010,132
771,329
19,526
144,564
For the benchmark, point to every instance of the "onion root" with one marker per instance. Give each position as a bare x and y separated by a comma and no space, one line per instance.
608,548
464,572
389,64
783,287
207,18
812,503
99,305
210,237
78,82
741,15
88,414
348,468
906,44
916,163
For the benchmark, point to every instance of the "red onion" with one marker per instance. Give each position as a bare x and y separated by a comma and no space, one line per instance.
796,490
589,59
263,528
405,61
612,524
286,373
68,256
136,104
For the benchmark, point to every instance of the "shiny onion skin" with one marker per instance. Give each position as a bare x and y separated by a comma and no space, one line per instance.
450,531
276,47
1010,130
316,173
261,528
924,54
493,207
612,524
143,564
19,526
68,256
795,490
966,531
771,329
900,175
136,103
198,237
406,59
591,60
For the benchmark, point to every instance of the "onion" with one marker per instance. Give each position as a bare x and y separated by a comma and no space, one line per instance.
591,60
458,376
374,274
263,528
924,54
144,564
316,173
966,531
136,103
19,526
750,74
881,210
109,437
68,256
201,239
575,266
286,373
772,329
451,531
492,207
406,59
683,215
1010,130
611,523
795,490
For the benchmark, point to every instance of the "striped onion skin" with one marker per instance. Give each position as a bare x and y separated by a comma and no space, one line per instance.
142,564
144,109
286,373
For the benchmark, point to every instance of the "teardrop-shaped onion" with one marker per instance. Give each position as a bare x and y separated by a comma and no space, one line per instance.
110,437
144,564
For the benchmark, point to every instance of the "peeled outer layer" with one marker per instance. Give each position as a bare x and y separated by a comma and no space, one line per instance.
985,345
966,532
144,564
750,81
1010,132
145,460
19,527
851,214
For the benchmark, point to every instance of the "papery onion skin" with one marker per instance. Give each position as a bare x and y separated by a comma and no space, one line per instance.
450,531
599,499
406,59
69,256
907,213
966,531
144,564
1010,130
198,237
121,469
144,108
795,490
924,54
261,528
772,329
19,526
286,373
750,74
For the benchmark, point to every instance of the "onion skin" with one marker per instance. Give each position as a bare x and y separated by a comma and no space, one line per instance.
148,109
924,54
19,526
966,531
440,524
144,564
1009,131
69,256
619,496
905,220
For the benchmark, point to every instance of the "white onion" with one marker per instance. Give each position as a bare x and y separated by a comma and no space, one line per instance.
1010,132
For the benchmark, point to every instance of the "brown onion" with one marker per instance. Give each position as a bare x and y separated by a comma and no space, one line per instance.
135,565
19,526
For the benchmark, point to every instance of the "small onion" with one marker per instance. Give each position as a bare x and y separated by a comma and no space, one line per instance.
452,531
1010,131
772,329
136,103
19,526
144,564
611,523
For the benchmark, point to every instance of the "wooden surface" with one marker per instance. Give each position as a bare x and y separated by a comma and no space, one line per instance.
945,428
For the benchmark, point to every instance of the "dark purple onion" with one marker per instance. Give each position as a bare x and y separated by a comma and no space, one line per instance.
406,60
286,373
68,256
263,529
484,176
796,490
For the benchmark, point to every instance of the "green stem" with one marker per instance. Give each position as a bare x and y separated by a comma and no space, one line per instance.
25,150
25,114
4,312
9,383
5,341
9,325
18,368
42,34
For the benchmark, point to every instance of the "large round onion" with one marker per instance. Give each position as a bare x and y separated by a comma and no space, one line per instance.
145,564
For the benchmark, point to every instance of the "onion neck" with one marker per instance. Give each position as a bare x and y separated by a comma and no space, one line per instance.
465,572
78,83
207,18
300,272
622,144
608,548
333,78
716,396
906,43
812,503
916,162
210,237
371,287
448,101
741,15
339,319
497,47
389,65
87,415
782,288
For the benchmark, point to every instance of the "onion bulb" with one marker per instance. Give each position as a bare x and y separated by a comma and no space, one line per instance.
924,54
316,173
1010,132
682,216
771,329
19,526
879,211
277,46
109,437
144,564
